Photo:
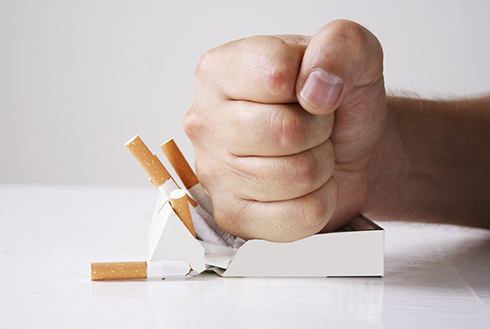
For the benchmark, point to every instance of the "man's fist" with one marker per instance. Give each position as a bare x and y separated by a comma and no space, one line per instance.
285,128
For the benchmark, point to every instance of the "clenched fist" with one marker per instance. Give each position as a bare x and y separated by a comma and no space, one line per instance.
285,129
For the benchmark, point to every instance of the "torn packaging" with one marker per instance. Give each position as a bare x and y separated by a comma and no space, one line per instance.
354,252
204,232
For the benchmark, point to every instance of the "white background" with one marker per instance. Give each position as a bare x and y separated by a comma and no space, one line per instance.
79,78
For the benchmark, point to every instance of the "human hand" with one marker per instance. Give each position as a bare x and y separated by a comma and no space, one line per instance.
285,129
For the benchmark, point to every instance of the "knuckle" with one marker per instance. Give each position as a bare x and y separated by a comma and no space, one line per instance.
289,131
280,67
316,213
193,125
204,65
279,80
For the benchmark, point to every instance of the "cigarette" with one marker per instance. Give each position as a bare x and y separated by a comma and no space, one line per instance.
204,206
180,204
149,161
160,177
179,163
155,169
186,174
137,270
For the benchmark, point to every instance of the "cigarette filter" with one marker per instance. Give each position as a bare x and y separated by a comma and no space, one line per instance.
180,164
180,204
149,161
118,271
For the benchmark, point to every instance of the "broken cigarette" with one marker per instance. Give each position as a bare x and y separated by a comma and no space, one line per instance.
180,164
149,161
196,190
180,204
186,174
119,271
137,270
155,169
160,177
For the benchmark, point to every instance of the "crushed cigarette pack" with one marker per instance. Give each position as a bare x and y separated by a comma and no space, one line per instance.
354,250
186,232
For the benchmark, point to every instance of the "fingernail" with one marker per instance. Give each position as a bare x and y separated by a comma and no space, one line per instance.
322,89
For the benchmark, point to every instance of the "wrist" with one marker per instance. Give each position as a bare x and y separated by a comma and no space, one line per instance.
431,163
387,168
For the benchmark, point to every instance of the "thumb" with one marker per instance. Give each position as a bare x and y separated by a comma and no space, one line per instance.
341,56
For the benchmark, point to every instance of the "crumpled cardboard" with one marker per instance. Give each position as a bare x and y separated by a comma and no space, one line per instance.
355,250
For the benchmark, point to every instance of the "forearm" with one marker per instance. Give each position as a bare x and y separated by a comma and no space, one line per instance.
433,163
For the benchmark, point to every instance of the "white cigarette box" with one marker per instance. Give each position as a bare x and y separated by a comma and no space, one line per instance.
357,249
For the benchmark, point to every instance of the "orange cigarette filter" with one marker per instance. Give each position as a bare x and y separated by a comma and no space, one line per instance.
180,204
179,163
148,160
118,271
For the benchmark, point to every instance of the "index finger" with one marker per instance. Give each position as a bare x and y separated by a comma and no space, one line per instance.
260,69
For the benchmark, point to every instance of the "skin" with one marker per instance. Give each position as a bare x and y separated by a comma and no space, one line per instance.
433,166
283,160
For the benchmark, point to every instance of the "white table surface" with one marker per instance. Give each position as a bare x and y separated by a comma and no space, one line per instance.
435,276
